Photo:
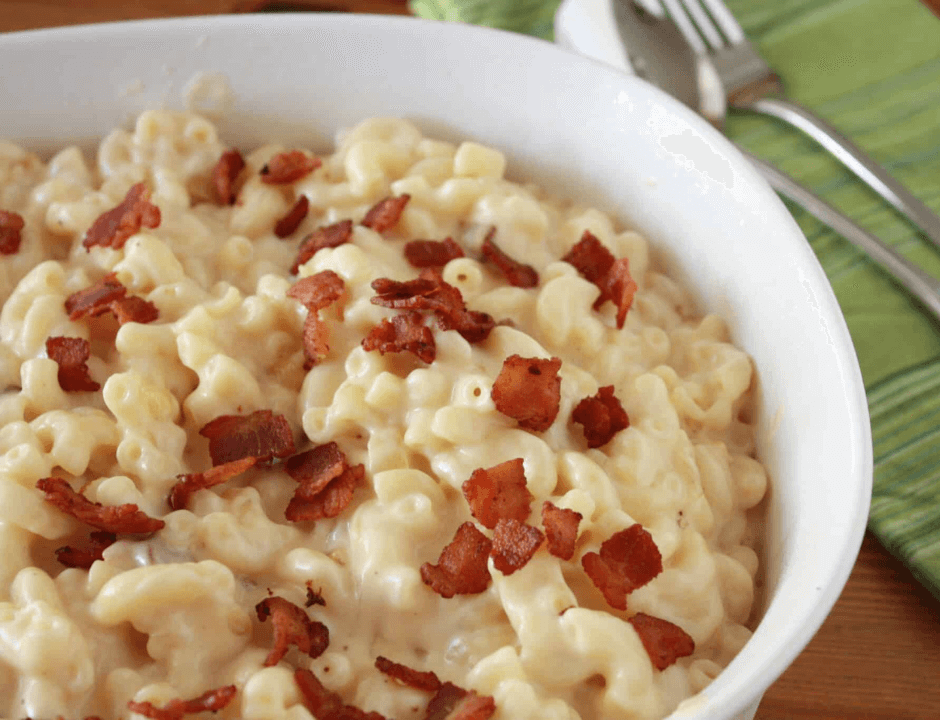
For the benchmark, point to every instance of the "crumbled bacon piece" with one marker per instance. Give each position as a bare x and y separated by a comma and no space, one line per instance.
461,568
114,227
315,469
561,529
384,215
328,236
628,560
328,502
292,626
529,391
11,226
454,703
71,354
517,273
95,299
498,492
664,642
119,519
314,597
134,309
261,435
324,704
211,701
602,416
224,175
412,678
83,557
514,544
403,333
291,221
432,253
597,264
188,484
417,294
474,326
318,291
288,167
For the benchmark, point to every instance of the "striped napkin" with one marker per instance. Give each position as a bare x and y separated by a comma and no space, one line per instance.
872,68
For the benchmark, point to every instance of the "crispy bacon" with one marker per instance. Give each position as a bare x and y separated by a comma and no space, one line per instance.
330,501
529,391
328,236
114,227
602,416
628,560
417,294
598,265
474,326
314,597
71,354
118,519
514,544
403,333
664,642
11,226
412,678
134,309
84,557
384,215
620,288
318,291
211,701
224,175
292,626
291,221
288,167
516,273
315,469
561,529
432,253
498,492
95,299
324,704
461,568
590,258
451,702
316,340
261,435
188,484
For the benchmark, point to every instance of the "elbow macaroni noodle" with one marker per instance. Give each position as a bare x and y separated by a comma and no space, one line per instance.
171,616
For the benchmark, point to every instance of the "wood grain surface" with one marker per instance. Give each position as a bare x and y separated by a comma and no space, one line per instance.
877,657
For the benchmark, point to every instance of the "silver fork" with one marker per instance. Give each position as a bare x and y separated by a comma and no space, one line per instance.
713,33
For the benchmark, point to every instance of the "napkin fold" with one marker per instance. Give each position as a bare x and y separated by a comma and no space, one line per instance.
872,68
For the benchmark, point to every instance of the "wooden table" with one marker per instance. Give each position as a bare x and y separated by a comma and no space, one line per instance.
877,657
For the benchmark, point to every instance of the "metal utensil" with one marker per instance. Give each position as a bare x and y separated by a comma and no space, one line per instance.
750,83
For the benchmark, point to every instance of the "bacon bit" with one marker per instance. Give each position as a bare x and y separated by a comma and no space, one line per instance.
628,560
328,502
403,333
324,704
328,236
620,288
84,557
414,294
514,544
11,226
461,568
188,484
517,274
590,258
315,469
498,492
384,215
318,291
597,264
314,597
72,355
290,222
432,253
292,626
664,642
529,390
454,703
224,175
211,701
261,435
561,529
474,326
288,167
119,519
412,678
602,417
114,227
134,309
95,299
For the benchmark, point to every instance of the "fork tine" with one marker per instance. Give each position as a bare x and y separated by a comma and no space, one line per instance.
705,24
726,21
684,23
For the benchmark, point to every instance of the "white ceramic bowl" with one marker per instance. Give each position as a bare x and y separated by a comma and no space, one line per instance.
583,130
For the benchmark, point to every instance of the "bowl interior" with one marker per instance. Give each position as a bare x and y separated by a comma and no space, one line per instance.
578,128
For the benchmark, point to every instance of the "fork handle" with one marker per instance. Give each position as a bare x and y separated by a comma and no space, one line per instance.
855,159
924,287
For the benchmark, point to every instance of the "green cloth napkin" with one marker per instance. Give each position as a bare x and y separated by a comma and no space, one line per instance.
872,68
